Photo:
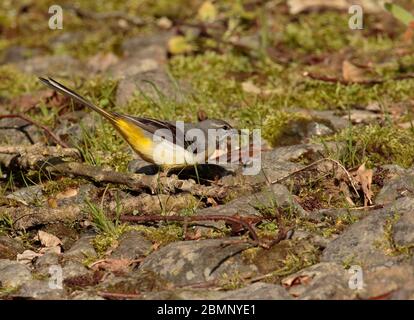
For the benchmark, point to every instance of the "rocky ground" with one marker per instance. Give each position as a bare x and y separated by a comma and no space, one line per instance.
329,216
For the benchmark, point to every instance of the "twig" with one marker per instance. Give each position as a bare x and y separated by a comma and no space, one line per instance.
312,165
140,182
41,126
118,295
365,82
35,156
156,218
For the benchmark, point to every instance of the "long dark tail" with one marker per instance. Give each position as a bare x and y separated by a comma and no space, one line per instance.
71,94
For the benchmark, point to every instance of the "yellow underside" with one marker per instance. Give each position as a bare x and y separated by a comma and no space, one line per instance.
140,143
136,138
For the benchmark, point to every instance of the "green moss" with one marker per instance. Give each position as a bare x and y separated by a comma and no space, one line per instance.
53,187
162,235
375,145
388,244
317,33
14,83
277,128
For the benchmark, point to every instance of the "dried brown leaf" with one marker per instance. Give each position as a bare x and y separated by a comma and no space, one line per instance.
352,73
364,178
48,239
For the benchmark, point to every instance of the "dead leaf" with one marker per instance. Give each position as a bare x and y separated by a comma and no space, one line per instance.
364,178
113,265
48,239
296,280
352,73
27,256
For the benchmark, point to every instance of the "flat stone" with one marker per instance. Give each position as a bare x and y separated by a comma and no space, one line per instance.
361,242
151,83
387,280
28,195
74,269
189,262
10,248
258,291
399,183
13,274
132,245
15,131
39,290
59,65
321,281
44,262
255,291
81,249
152,46
404,230
251,205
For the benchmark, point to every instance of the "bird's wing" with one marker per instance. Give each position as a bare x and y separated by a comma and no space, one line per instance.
152,125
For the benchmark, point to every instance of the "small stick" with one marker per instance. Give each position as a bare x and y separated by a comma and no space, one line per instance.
155,218
312,165
118,296
41,126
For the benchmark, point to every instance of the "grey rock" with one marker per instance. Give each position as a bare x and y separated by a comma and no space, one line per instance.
132,245
13,274
66,38
16,54
189,262
404,230
9,248
28,195
39,290
258,291
336,120
59,65
399,183
44,262
152,46
320,281
71,126
15,131
74,269
380,280
130,68
85,295
81,249
361,242
277,195
154,84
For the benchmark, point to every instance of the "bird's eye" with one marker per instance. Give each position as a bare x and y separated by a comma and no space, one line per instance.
225,127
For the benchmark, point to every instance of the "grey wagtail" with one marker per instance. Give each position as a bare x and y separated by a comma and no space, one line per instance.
164,143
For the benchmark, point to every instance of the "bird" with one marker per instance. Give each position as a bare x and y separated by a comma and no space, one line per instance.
168,144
